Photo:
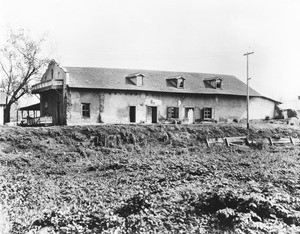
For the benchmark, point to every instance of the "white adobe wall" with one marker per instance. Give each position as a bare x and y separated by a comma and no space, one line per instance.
113,107
260,108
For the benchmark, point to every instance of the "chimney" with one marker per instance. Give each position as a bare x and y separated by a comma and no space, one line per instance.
298,97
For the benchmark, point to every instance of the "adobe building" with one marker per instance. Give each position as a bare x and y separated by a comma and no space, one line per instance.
82,95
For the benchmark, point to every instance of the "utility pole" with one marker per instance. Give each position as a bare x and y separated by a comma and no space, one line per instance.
248,78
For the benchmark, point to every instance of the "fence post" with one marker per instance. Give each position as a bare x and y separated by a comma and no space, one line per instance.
292,141
271,142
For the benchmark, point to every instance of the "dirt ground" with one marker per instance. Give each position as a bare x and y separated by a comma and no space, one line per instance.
148,179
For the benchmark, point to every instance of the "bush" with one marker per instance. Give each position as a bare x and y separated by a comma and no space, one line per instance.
291,113
280,116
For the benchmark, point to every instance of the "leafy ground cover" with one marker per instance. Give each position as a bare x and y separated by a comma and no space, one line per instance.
147,179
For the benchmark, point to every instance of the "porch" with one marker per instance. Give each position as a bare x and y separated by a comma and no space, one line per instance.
30,116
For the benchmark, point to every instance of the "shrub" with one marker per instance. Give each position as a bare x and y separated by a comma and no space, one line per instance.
291,113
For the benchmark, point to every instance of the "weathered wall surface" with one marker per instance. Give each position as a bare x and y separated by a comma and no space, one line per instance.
260,108
74,109
113,107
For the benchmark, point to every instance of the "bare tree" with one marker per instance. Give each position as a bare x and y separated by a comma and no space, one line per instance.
21,61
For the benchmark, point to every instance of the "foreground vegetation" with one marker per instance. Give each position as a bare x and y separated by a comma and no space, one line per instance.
147,179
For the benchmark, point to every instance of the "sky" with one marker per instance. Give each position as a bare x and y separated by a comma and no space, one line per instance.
208,36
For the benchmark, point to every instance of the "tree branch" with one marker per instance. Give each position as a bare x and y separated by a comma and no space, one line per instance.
4,69
20,61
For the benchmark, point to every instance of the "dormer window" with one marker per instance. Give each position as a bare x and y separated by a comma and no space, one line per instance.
218,83
180,83
135,79
177,82
214,82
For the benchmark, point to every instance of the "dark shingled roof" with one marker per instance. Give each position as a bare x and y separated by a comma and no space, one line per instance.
31,107
112,78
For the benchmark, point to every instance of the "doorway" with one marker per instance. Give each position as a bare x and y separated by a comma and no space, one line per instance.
154,114
151,114
132,114
190,114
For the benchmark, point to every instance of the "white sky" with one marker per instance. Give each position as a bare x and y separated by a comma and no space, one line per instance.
177,35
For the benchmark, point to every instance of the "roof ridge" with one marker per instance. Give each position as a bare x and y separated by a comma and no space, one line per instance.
149,70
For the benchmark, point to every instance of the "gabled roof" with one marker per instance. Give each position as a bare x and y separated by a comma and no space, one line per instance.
112,78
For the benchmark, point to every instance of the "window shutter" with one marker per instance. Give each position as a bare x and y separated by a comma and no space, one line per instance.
169,112
176,112
202,113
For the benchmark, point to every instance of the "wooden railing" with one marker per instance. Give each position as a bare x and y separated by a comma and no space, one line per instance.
45,120
38,121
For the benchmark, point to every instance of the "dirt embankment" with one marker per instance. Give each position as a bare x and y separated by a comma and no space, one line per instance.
118,135
148,178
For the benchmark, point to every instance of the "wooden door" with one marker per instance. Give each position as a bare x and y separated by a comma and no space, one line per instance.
132,114
154,114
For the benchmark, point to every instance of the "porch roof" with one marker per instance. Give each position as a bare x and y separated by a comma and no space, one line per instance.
35,107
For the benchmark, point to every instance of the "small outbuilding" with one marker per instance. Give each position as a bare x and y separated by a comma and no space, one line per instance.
290,108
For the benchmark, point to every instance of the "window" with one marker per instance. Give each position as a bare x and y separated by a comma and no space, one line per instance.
135,79
180,83
177,82
85,107
207,113
214,82
218,83
173,112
